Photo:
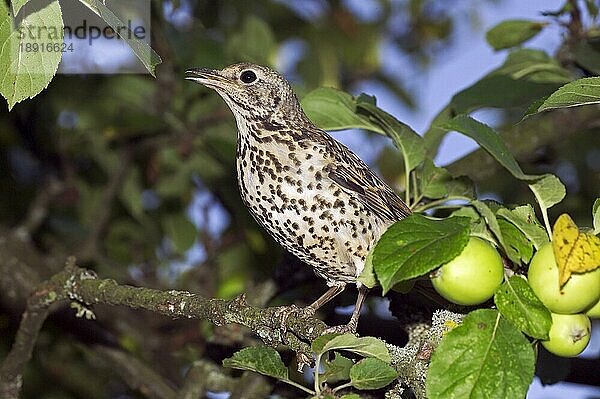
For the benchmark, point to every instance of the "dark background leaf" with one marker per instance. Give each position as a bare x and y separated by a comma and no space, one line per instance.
511,33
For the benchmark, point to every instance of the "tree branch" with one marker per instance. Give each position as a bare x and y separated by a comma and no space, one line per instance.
38,308
11,372
83,288
265,322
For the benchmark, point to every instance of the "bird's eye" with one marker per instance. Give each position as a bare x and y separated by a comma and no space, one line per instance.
248,76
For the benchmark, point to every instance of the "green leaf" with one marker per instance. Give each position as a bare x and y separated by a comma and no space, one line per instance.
490,219
433,180
583,91
367,276
536,66
525,76
351,396
404,138
517,302
587,56
319,343
255,42
478,226
233,266
131,194
461,186
364,346
260,359
142,50
180,230
337,369
499,91
416,245
122,236
518,248
432,138
333,109
364,98
523,217
511,33
90,200
25,73
596,216
488,139
372,373
17,4
484,357
438,183
548,191
535,104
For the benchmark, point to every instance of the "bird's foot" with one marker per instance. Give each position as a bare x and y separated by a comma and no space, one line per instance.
284,313
302,349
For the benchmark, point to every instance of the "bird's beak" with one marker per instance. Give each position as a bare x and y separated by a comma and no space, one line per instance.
207,77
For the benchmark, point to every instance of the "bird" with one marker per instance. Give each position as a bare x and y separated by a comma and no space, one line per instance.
310,192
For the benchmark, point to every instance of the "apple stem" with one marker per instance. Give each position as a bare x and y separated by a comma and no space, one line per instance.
546,222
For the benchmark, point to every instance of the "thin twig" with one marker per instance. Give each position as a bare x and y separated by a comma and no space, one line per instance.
575,25
38,209
38,308
11,372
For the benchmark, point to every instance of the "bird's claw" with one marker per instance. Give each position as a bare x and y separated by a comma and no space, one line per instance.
284,313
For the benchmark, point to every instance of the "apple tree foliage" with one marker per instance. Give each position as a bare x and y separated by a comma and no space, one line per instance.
113,179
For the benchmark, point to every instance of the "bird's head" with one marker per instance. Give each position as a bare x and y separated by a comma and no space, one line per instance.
251,91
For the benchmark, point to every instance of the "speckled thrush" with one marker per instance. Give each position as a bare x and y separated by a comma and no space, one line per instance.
311,193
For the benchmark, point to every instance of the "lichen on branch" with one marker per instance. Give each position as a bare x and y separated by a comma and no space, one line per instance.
83,289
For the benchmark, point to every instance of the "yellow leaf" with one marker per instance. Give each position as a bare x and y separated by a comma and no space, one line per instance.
575,251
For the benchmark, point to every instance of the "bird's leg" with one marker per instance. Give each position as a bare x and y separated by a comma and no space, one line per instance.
362,295
331,293
353,323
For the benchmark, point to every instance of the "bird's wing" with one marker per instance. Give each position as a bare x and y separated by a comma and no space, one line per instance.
350,173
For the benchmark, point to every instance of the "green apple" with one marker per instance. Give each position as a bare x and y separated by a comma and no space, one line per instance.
594,311
473,276
579,293
569,334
